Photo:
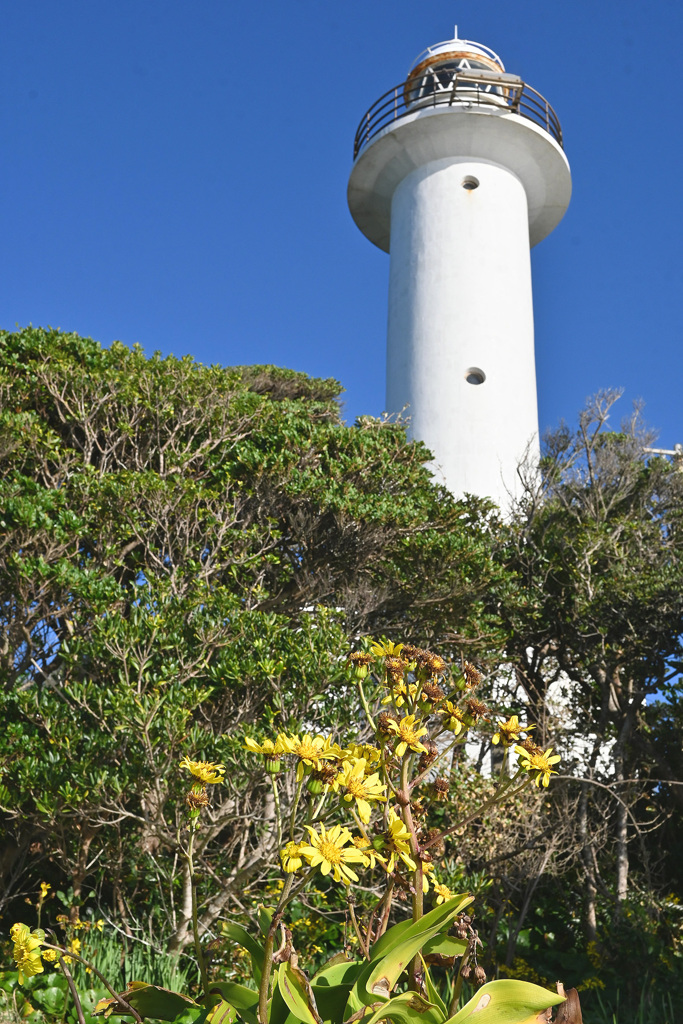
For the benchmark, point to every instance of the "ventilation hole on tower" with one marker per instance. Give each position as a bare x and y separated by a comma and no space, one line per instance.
475,376
470,183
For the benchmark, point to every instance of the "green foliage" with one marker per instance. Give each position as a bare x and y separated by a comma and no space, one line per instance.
185,550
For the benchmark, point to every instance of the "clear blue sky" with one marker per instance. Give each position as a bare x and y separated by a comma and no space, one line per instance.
174,174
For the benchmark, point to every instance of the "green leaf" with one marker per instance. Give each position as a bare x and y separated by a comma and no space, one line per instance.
297,994
433,993
241,997
386,973
408,1008
332,986
255,950
265,917
507,1002
222,1013
445,945
151,1001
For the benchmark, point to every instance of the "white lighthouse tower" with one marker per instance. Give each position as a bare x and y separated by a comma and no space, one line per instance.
457,172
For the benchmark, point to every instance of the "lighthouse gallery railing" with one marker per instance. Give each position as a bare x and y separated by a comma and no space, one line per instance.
500,92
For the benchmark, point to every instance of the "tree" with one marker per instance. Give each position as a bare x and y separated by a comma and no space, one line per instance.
185,549
597,548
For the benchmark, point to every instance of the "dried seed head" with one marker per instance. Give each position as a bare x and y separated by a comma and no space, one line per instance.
466,972
479,975
383,720
476,708
472,676
441,787
428,756
439,848
196,799
431,691
395,667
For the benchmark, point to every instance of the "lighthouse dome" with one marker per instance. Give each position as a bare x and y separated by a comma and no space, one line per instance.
439,68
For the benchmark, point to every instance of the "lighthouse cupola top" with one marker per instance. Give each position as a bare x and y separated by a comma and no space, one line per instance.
456,54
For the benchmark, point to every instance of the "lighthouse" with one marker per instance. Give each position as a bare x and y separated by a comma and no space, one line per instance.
457,172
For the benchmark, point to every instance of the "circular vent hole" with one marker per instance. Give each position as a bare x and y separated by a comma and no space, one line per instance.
475,376
470,183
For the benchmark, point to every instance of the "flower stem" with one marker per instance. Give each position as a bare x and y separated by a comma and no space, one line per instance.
268,948
365,706
201,962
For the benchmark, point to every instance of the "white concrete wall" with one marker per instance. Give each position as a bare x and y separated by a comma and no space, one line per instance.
460,297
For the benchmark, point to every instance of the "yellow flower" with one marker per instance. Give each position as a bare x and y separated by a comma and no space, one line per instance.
310,750
398,842
370,854
540,762
453,717
329,852
443,893
399,693
98,925
75,946
27,950
385,648
50,955
408,735
352,778
44,889
357,750
291,858
510,731
268,748
205,771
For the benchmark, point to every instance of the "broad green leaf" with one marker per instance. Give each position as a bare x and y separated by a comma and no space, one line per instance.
408,1008
386,973
265,917
239,996
331,987
507,1002
433,993
255,950
296,993
221,1013
445,945
338,960
444,912
150,1001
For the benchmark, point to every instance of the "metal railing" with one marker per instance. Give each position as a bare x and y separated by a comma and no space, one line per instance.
506,93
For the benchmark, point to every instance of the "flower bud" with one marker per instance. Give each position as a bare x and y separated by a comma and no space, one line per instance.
273,764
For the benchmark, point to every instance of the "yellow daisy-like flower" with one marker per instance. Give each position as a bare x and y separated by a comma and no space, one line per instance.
370,854
204,771
268,747
453,717
310,750
398,843
427,870
371,754
539,762
399,693
408,735
443,893
360,787
49,955
26,950
329,852
291,857
98,925
386,649
75,946
510,731
44,889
